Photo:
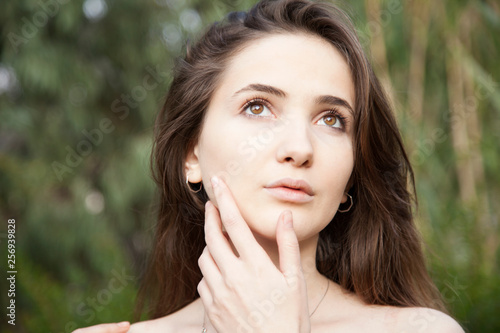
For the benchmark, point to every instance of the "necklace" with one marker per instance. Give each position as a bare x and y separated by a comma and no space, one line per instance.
322,298
204,330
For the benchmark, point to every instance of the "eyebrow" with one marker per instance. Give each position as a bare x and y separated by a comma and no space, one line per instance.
333,100
323,99
262,88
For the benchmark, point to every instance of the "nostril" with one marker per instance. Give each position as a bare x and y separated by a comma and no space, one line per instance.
295,153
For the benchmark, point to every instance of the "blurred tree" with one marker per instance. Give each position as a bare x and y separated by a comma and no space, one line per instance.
81,82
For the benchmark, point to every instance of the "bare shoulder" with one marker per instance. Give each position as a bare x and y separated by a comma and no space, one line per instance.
419,319
345,312
187,319
150,326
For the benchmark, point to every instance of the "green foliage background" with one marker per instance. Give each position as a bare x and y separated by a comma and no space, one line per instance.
64,73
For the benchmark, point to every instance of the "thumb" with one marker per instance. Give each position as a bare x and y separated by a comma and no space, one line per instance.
288,246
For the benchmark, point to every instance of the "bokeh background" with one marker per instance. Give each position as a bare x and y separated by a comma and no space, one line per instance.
82,80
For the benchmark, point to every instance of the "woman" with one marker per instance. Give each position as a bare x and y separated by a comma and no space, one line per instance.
277,147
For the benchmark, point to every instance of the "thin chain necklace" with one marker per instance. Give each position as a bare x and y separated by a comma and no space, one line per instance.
322,298
204,330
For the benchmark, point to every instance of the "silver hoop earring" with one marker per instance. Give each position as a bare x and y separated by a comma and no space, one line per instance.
350,206
190,188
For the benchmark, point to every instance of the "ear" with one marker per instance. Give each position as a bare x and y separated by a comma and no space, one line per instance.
349,185
192,166
344,198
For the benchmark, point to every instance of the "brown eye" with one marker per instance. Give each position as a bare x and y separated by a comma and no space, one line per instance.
330,120
257,108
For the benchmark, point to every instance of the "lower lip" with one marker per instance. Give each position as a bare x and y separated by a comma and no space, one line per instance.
289,194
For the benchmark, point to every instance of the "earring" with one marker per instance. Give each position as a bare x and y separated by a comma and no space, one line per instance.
190,188
350,206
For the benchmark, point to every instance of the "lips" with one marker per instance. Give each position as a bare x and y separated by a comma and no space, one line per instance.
291,190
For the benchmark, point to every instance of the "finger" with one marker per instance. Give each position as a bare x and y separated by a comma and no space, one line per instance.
217,241
238,230
210,271
288,246
205,294
122,327
207,324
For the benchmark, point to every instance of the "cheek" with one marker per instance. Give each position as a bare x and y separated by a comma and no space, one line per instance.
229,150
337,163
222,153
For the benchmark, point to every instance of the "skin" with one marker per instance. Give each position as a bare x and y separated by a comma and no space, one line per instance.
288,139
259,245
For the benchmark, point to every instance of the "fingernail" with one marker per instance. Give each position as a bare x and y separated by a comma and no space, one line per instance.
123,324
215,181
207,204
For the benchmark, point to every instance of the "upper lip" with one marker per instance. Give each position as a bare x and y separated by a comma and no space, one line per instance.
296,184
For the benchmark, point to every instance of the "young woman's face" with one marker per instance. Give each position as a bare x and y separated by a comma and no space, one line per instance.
279,132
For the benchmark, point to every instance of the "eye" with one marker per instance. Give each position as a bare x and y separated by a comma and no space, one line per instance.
333,119
257,107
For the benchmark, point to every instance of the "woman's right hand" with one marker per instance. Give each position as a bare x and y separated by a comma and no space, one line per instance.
242,283
122,327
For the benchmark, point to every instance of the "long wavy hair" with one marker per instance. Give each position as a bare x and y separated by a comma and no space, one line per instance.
374,250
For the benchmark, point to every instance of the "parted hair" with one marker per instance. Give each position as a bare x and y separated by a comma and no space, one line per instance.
374,250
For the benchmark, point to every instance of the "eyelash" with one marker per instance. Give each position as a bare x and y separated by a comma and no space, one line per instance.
336,113
254,101
332,112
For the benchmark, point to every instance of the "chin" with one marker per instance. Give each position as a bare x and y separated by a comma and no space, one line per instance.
264,229
264,225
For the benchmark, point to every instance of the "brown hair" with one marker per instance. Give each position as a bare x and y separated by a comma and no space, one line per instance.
373,250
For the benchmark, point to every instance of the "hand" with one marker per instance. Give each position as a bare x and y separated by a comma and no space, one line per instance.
248,293
106,328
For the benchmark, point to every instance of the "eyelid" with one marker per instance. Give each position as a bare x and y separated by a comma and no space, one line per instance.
334,111
256,100
339,115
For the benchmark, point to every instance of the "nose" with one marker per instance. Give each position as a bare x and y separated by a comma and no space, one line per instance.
295,146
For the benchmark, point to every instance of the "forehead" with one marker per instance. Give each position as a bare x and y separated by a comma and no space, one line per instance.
299,64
